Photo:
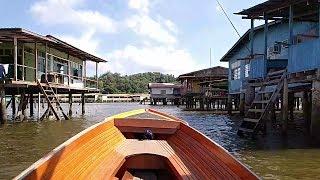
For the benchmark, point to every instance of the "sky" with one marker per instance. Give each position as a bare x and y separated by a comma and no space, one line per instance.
135,36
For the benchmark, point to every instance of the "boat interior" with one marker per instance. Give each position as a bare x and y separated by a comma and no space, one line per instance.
141,144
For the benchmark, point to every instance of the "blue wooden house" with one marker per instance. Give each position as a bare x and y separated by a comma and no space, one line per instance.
247,63
277,62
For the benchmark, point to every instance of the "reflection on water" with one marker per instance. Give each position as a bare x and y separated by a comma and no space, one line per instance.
270,157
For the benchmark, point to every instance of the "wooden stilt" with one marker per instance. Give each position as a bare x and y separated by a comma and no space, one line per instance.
291,101
229,104
285,107
39,105
241,104
83,103
273,116
13,106
70,104
306,107
3,110
249,97
45,114
31,105
202,103
315,114
24,104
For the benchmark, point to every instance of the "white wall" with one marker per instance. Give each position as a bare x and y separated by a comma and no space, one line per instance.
158,90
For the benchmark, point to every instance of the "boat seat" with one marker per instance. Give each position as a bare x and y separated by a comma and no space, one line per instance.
157,147
140,125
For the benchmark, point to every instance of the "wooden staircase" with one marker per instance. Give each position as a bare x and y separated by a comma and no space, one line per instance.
54,105
264,99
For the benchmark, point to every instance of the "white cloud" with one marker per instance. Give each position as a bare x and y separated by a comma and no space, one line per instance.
85,42
144,25
164,59
161,30
157,37
141,6
66,12
171,26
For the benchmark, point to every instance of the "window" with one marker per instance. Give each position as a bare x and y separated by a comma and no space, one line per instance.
235,70
76,69
236,73
163,92
277,48
247,70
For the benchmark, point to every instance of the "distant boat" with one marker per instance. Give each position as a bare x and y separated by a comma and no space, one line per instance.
140,144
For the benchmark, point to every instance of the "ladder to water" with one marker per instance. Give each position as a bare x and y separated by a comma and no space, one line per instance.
262,103
53,102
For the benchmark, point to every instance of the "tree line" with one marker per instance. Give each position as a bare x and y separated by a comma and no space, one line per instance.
114,83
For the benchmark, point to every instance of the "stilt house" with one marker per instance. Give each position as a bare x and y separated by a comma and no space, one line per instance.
31,63
205,89
275,63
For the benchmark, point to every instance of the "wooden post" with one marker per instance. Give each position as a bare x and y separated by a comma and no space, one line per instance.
306,107
251,36
31,105
84,73
241,104
36,60
266,26
291,105
249,97
290,33
39,106
13,106
97,79
46,64
273,116
69,71
285,107
229,104
15,58
202,103
23,72
3,109
315,114
83,103
70,104
23,104
319,19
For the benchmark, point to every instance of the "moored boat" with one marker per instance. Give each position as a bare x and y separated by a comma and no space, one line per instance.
144,144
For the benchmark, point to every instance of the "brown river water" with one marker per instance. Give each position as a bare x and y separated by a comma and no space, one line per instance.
271,157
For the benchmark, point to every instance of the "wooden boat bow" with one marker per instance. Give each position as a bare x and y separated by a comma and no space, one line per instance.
116,148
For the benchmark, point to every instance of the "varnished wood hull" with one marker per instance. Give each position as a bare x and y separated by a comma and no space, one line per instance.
115,149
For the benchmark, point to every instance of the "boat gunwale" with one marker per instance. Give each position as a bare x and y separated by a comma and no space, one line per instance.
56,150
53,152
223,149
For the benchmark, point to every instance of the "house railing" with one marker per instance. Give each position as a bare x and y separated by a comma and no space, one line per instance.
90,83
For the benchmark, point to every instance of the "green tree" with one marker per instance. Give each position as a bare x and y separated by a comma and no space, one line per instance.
136,83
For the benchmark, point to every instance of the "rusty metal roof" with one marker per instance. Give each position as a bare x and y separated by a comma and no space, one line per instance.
304,10
217,71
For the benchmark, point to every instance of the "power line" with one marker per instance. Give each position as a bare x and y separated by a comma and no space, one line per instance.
234,27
